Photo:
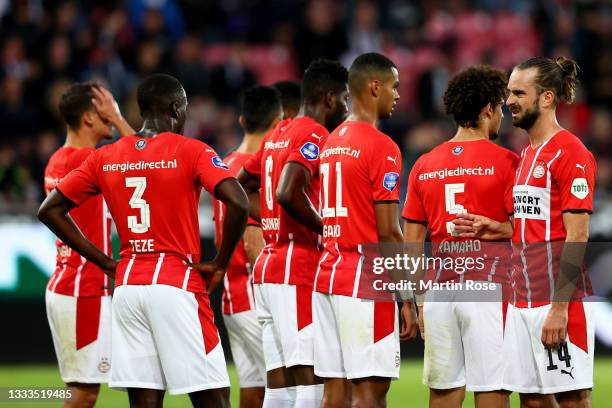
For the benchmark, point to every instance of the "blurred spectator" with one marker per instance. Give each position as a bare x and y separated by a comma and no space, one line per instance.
229,79
190,69
364,34
320,36
151,18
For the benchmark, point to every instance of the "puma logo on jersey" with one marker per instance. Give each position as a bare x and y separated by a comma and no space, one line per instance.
568,372
583,168
318,137
393,159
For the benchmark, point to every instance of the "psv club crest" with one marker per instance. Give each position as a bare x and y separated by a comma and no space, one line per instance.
540,169
140,144
457,150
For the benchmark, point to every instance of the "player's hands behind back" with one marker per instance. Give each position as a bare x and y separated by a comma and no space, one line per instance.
212,272
468,225
409,322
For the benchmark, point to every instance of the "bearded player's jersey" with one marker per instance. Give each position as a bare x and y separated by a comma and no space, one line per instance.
457,177
73,274
238,293
555,177
291,251
152,187
360,166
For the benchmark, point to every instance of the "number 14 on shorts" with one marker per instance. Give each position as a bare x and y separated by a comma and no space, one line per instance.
563,356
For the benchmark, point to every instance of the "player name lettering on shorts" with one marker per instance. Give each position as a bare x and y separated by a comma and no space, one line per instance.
456,172
141,165
268,224
142,245
276,145
531,202
459,246
332,231
347,151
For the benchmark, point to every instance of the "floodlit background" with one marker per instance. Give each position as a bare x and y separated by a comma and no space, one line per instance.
217,48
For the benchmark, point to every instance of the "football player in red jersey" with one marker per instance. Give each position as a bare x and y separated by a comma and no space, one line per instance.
357,339
261,110
553,199
286,170
78,294
290,97
163,333
453,178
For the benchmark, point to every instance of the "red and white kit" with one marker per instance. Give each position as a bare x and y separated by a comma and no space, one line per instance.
152,186
553,178
239,314
456,177
354,338
285,269
78,293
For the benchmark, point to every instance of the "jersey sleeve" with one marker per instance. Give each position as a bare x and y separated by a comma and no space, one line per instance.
305,149
413,206
514,160
210,169
574,174
385,167
253,163
82,182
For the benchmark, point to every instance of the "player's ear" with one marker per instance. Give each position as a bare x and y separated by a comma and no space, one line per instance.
375,87
88,119
547,99
241,121
174,110
487,111
330,100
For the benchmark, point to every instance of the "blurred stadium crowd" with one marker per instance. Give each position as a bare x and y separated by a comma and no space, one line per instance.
217,48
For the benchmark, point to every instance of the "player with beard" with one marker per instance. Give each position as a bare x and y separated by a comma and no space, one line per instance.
456,327
286,171
549,329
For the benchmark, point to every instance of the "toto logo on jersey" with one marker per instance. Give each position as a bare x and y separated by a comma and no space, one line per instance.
217,162
141,144
390,181
310,151
457,150
540,169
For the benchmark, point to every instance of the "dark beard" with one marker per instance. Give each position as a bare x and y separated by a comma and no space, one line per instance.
529,118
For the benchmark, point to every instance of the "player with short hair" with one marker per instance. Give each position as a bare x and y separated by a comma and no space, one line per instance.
78,293
261,110
464,336
286,170
291,97
549,337
163,332
360,166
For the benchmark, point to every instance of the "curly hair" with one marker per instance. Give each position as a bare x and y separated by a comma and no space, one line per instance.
471,90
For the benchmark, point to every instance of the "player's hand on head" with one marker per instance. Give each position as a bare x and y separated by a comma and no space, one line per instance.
212,272
105,104
409,322
554,330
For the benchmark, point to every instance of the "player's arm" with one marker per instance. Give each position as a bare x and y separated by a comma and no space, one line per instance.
108,109
230,193
414,239
251,184
577,229
53,212
291,195
478,226
253,242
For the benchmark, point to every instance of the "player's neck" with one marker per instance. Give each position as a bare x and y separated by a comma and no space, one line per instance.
151,127
362,113
80,139
470,134
543,129
314,112
251,142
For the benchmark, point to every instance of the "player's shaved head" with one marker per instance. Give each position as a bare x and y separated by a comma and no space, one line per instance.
321,77
367,67
157,93
75,102
291,97
261,106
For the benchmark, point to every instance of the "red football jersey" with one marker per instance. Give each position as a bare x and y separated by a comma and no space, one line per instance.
152,187
291,251
360,166
555,177
238,293
457,177
73,274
